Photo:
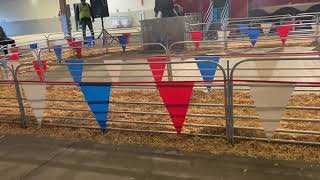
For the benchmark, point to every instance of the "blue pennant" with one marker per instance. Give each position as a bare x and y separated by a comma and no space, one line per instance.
123,40
34,46
75,67
208,70
254,35
88,40
244,29
97,97
58,51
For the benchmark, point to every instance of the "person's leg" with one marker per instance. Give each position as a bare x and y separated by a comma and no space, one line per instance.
91,27
83,27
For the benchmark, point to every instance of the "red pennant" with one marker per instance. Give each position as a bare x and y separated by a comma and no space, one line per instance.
71,40
14,54
176,97
77,46
197,36
283,32
157,69
36,67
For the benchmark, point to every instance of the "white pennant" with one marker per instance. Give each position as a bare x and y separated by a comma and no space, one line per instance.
266,74
34,54
36,94
221,35
114,71
271,102
266,27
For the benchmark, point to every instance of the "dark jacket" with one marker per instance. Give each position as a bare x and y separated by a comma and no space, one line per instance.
3,35
165,6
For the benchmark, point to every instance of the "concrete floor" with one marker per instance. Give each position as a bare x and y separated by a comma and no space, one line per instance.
30,158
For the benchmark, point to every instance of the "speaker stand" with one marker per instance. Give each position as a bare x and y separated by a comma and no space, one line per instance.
105,35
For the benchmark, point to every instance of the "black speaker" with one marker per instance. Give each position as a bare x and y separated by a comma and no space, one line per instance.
99,8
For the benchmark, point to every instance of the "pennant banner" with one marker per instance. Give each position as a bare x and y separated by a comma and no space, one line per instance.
14,54
37,68
244,29
77,46
36,94
253,34
271,103
34,46
208,70
266,27
265,74
176,97
283,32
157,69
88,40
75,67
197,36
58,52
221,35
71,41
97,97
124,40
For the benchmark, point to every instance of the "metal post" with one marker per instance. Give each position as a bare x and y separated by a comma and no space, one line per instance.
170,75
226,103
225,39
317,29
230,104
19,98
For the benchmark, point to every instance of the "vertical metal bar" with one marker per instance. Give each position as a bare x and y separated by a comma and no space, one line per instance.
19,98
317,29
225,38
230,102
226,104
170,75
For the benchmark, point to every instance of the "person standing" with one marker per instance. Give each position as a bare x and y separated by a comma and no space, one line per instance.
166,7
5,41
84,16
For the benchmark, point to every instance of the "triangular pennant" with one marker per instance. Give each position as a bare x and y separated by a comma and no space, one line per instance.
244,29
75,67
266,27
34,46
265,69
208,70
283,32
14,54
114,71
123,40
88,40
34,54
221,35
253,35
71,41
97,97
176,97
271,103
37,68
36,94
157,69
197,36
58,52
77,46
